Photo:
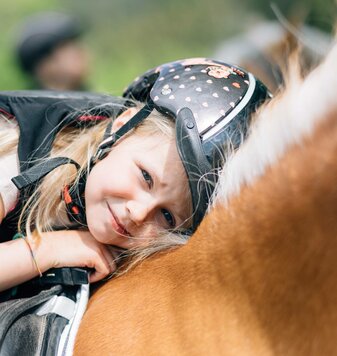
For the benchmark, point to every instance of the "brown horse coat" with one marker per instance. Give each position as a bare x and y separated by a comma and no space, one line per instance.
259,275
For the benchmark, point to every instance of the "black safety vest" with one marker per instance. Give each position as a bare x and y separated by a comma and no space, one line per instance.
40,116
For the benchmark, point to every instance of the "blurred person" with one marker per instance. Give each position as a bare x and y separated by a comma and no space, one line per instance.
48,49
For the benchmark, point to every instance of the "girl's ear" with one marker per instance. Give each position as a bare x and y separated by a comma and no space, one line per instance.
123,118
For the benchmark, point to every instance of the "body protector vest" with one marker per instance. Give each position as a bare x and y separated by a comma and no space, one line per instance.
41,317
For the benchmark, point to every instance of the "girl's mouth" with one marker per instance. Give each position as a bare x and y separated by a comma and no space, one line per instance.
116,225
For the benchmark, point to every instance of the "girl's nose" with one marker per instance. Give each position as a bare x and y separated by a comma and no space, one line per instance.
138,211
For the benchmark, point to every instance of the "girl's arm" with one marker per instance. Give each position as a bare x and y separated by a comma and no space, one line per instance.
69,248
16,264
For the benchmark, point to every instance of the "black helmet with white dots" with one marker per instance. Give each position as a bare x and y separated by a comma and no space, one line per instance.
211,103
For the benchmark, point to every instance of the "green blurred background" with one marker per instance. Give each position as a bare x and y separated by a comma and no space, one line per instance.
127,37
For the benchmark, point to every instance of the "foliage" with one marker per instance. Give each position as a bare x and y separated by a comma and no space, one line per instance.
127,37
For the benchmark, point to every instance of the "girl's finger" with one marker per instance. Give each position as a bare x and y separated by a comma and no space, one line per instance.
110,259
104,266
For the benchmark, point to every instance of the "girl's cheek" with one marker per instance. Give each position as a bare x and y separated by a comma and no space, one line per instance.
92,187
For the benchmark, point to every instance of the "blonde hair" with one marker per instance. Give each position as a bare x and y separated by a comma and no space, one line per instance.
8,135
46,207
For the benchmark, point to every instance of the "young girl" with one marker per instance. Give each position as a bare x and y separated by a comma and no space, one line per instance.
142,181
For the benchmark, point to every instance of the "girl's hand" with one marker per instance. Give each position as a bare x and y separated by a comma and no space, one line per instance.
74,248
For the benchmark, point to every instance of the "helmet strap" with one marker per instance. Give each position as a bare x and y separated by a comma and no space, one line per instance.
111,138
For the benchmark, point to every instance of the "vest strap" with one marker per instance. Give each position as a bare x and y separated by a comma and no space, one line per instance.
38,171
69,276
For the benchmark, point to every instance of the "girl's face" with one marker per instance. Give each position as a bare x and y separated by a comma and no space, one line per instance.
137,191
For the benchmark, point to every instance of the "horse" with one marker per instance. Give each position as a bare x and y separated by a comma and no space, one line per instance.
258,277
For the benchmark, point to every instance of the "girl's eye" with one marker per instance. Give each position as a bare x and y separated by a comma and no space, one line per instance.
147,178
169,218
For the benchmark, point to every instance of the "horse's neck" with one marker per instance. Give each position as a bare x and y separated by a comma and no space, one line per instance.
257,278
259,275
274,249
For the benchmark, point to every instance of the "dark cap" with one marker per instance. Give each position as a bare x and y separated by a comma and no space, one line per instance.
42,33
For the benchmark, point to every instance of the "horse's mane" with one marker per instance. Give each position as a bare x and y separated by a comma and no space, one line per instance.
274,131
